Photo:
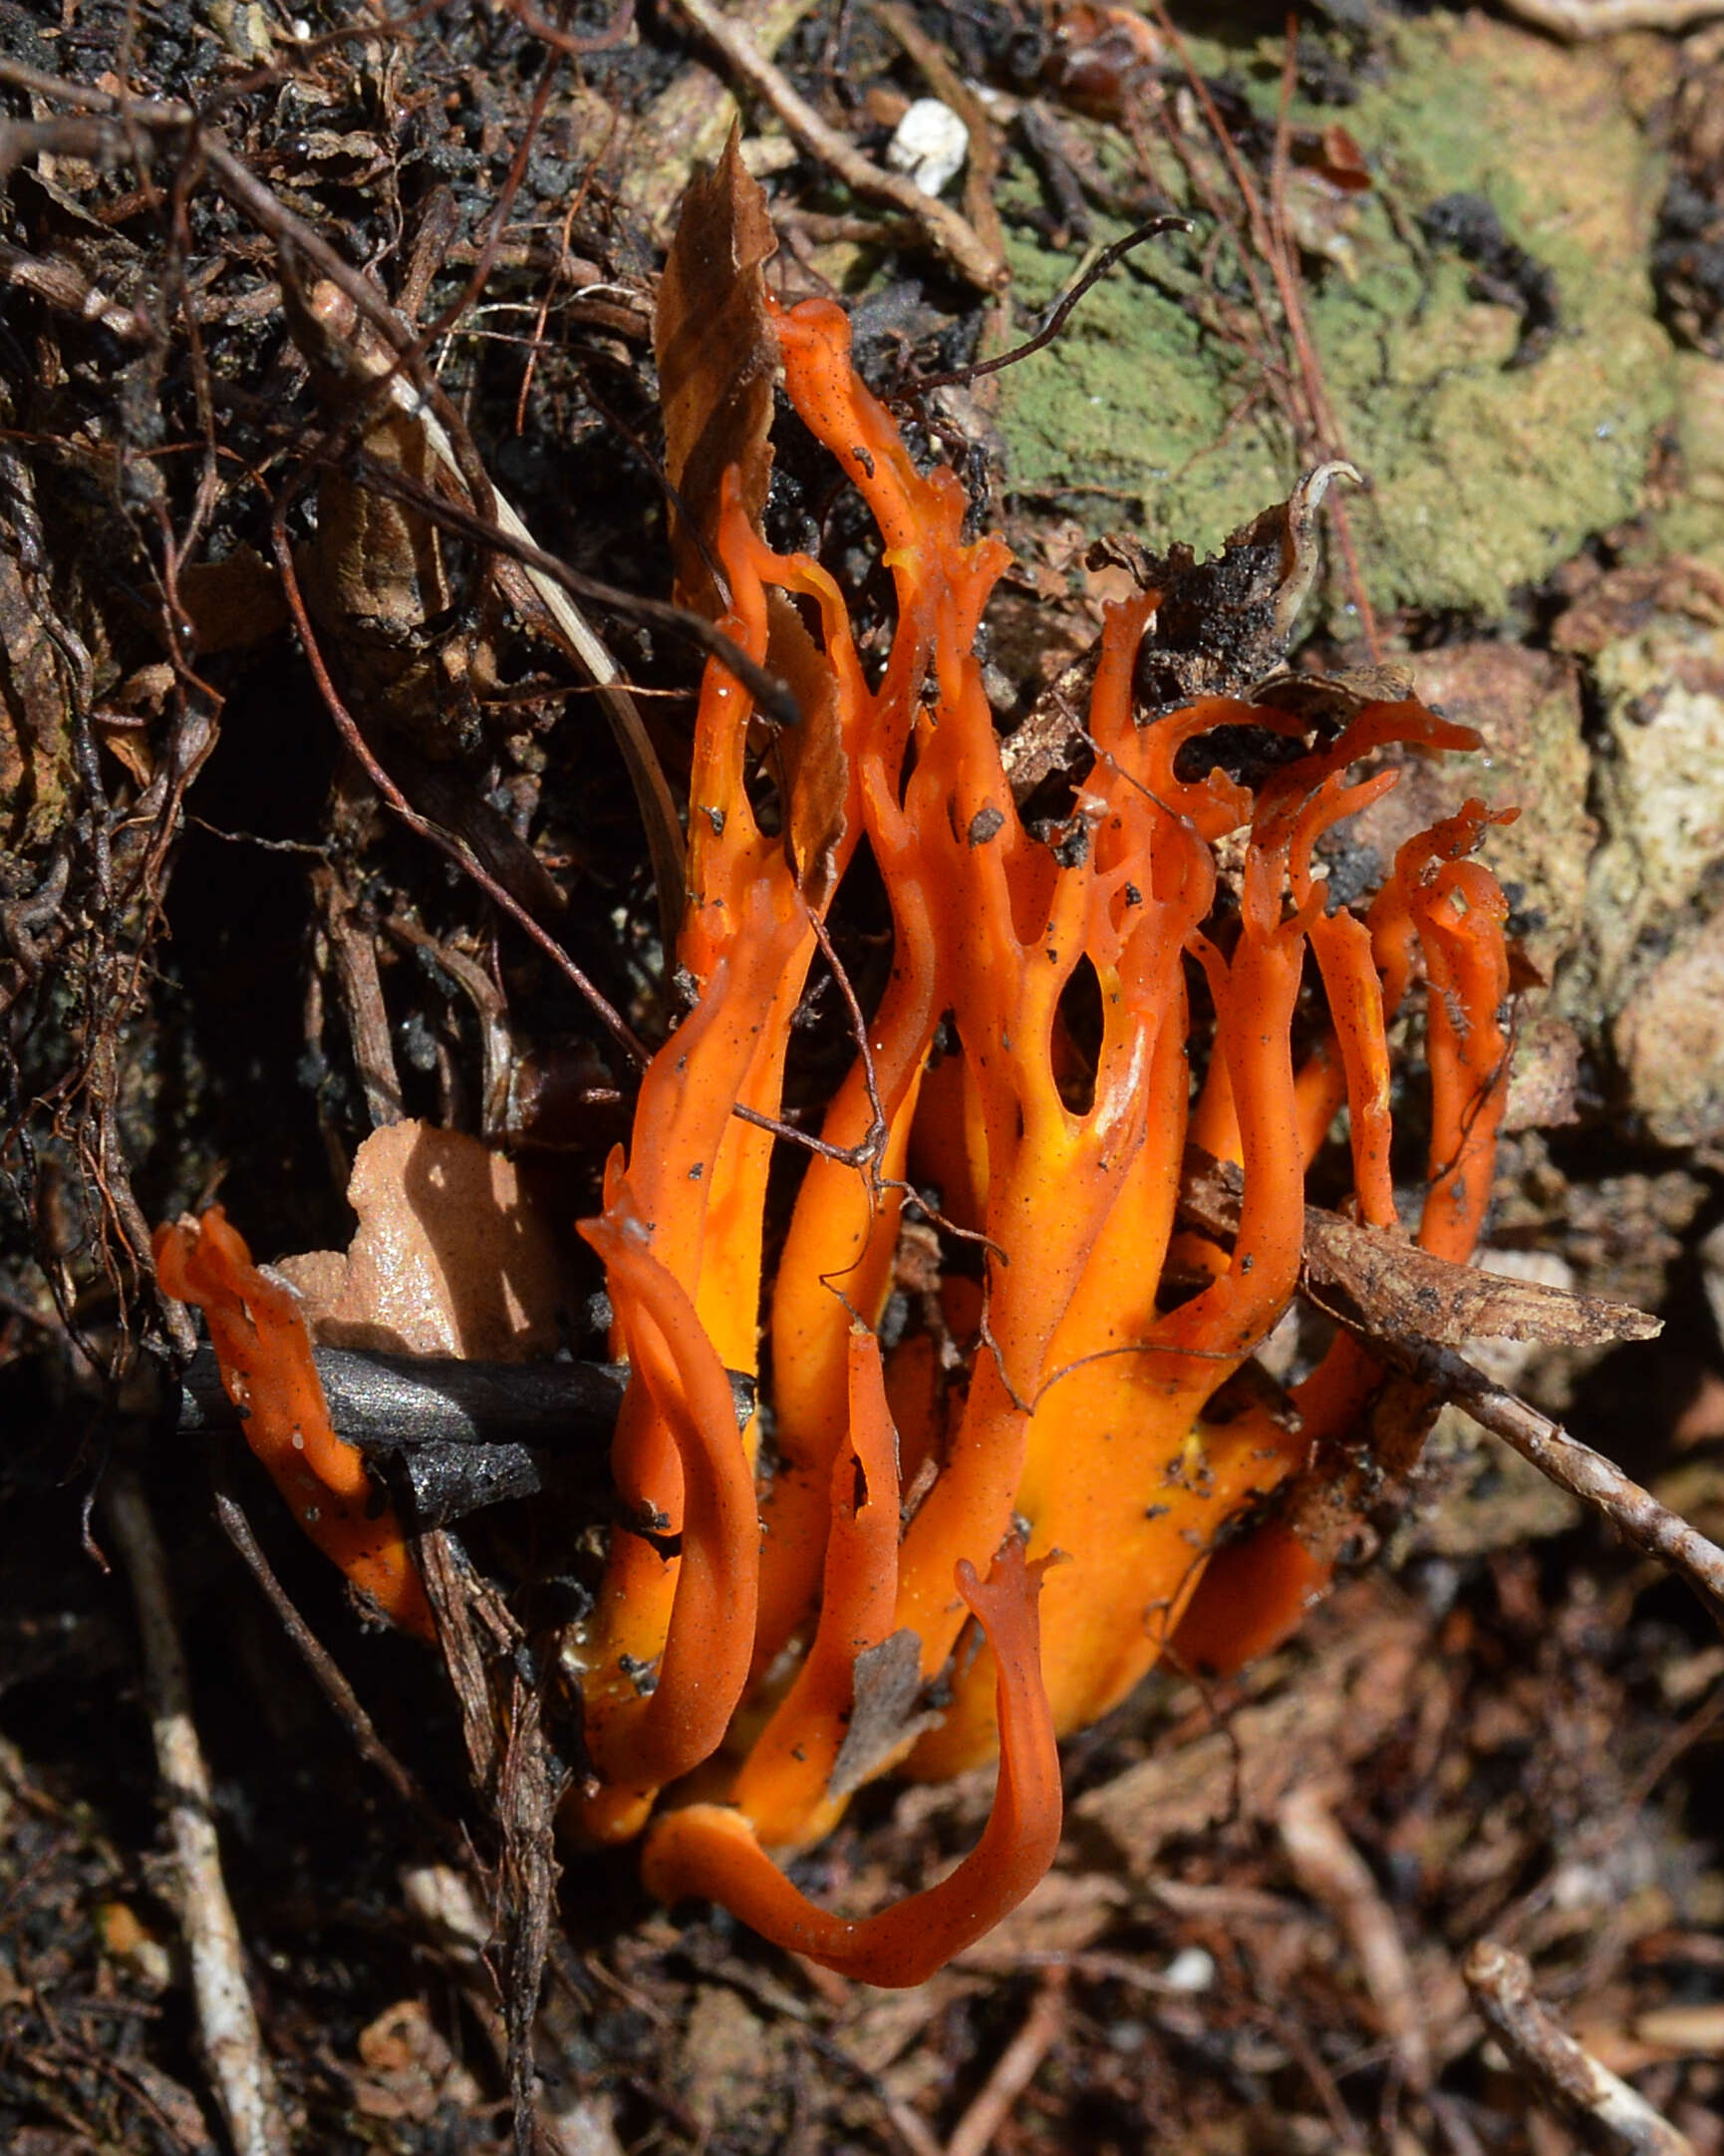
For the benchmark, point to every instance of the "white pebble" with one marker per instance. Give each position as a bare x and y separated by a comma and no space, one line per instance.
1191,1969
931,145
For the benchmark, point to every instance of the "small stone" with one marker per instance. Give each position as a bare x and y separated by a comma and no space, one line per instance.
1191,1969
931,145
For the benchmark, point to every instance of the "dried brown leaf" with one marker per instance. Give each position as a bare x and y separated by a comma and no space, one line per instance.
1397,1291
883,1719
718,360
816,768
450,1258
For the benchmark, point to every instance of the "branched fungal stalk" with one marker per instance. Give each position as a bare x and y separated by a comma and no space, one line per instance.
1080,1424
1000,1547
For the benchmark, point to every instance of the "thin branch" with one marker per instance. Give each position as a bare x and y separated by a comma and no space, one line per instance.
226,2018
1567,2079
952,235
1337,1257
1598,1484
405,1402
1057,320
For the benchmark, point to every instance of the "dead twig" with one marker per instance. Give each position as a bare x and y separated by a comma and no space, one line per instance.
1013,2070
948,233
1332,1871
360,983
981,166
1606,2111
1060,315
226,2018
1598,1484
1391,1296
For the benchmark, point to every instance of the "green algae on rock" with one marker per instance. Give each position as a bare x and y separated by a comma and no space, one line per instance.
1484,476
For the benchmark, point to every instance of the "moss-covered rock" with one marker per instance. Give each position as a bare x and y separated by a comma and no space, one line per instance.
1484,476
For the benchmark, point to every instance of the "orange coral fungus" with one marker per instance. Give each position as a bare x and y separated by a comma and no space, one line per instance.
264,1351
714,1848
873,1583
1032,1054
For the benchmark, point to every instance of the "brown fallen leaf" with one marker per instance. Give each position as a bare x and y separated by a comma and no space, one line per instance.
717,360
1390,1287
887,1680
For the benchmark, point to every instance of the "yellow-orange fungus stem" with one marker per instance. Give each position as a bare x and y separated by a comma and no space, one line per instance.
789,1608
678,1715
1451,911
1044,1003
783,1787
1076,1396
711,1850
264,1353
1460,910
